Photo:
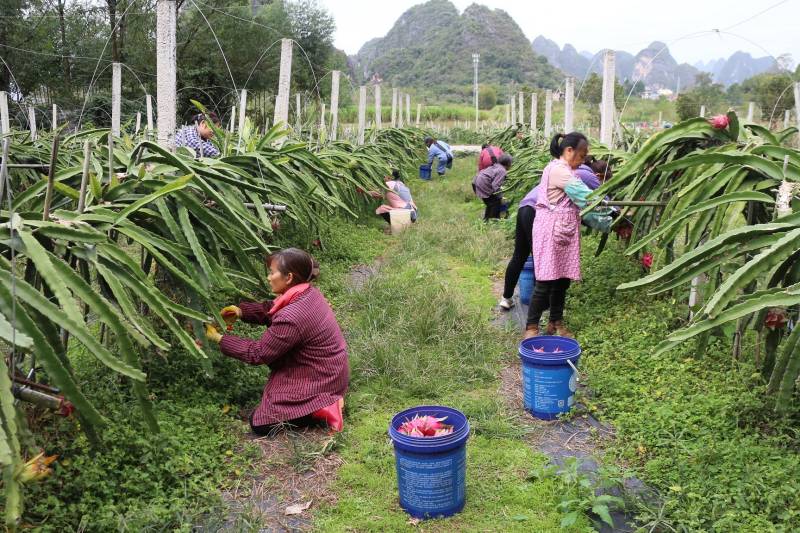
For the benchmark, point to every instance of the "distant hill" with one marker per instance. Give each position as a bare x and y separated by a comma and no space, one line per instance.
431,45
657,69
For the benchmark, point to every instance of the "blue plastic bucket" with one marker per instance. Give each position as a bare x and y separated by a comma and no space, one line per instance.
526,282
431,471
424,172
549,381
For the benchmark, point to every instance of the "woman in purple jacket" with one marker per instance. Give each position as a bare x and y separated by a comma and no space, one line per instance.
303,348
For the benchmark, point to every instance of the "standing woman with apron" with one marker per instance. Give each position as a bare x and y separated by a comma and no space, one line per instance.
556,240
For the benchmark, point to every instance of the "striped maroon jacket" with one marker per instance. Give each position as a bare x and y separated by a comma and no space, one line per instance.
305,351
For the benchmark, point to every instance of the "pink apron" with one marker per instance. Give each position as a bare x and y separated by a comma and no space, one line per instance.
556,234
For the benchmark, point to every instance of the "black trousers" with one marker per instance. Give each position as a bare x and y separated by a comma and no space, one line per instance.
268,430
548,295
522,248
493,205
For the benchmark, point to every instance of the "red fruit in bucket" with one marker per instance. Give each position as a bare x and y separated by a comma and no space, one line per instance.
425,426
719,122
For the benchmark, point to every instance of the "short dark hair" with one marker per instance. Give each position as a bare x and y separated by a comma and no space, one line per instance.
208,116
505,160
570,140
299,263
429,141
396,174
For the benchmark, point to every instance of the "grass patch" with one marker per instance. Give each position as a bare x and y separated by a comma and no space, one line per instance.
419,332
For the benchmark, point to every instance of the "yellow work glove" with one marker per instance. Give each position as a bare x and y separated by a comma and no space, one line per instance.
212,334
230,315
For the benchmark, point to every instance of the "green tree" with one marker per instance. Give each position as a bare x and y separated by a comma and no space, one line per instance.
487,97
772,92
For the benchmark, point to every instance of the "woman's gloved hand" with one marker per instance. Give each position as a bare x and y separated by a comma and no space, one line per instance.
212,334
230,315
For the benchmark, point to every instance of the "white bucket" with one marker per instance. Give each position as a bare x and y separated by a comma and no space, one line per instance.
400,220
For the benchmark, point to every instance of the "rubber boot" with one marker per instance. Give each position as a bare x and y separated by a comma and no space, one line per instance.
531,331
331,415
560,329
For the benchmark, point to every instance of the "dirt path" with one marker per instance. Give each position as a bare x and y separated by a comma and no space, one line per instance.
582,437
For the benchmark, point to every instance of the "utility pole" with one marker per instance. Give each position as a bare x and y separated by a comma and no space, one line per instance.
475,60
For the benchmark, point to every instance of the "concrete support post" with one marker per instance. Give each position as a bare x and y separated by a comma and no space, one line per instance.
149,111
751,111
284,82
521,108
607,114
232,121
400,116
138,122
797,103
569,104
322,119
508,115
54,120
116,98
513,110
408,110
362,113
548,113
786,117
335,76
394,107
32,122
534,110
166,67
5,124
702,111
378,108
242,111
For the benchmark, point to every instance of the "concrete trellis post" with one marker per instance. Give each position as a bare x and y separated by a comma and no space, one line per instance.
242,112
298,114
54,120
408,110
569,104
232,121
786,117
508,115
797,103
362,113
548,113
534,110
335,75
32,121
607,114
521,108
419,112
138,122
5,125
116,98
702,110
751,111
284,81
400,120
394,107
322,119
660,118
166,67
378,108
149,109
513,110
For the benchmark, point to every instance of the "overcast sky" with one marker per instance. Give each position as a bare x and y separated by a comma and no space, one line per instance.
628,25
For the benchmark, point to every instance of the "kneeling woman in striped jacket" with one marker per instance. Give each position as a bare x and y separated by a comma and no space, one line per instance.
303,347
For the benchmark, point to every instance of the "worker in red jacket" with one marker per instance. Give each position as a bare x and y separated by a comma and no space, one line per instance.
489,156
303,347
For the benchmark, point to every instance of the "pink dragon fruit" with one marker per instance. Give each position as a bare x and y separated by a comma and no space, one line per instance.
647,260
719,122
425,426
